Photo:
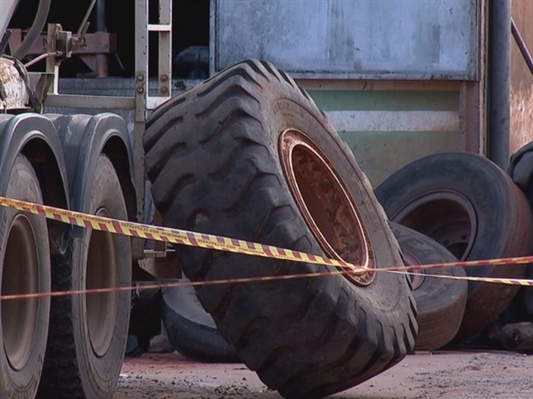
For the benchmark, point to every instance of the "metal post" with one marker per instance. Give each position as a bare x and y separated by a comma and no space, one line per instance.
165,49
141,90
102,62
522,46
143,100
499,81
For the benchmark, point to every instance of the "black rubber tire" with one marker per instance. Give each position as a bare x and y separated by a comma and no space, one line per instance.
145,318
440,302
86,348
469,205
190,329
24,269
215,167
521,171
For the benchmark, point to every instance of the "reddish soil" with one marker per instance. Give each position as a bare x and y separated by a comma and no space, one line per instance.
448,375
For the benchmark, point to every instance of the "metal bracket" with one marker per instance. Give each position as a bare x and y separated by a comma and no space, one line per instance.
143,101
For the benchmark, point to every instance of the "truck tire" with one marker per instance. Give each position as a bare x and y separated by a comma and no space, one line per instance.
190,329
24,269
86,349
440,302
247,154
521,171
470,206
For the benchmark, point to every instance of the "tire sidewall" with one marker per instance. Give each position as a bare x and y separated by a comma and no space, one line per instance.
387,290
487,189
432,291
440,301
100,374
23,185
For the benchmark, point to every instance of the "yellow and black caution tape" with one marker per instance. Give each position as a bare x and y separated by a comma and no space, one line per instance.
209,241
175,236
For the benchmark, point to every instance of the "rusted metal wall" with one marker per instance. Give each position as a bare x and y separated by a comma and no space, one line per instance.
521,79
364,39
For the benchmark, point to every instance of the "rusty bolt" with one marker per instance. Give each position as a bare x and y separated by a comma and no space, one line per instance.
140,77
164,90
140,89
163,78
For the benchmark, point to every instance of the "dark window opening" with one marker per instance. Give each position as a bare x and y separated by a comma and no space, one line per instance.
190,36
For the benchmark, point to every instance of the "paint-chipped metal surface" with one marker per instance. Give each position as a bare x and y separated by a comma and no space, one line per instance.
13,92
394,39
521,96
521,118
387,129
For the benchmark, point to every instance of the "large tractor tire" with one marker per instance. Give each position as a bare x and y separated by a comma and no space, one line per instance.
470,206
24,269
247,154
440,302
87,344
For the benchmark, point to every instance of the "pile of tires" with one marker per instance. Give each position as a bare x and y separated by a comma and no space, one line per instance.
451,207
474,209
248,155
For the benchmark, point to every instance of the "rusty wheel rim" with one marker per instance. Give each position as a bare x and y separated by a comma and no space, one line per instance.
445,216
327,208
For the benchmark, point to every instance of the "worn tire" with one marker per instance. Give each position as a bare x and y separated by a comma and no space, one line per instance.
190,329
469,205
440,302
24,269
216,162
521,171
86,348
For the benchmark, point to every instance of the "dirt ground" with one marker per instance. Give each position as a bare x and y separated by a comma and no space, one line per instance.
448,375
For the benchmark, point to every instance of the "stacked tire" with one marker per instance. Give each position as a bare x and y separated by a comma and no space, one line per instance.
440,297
472,207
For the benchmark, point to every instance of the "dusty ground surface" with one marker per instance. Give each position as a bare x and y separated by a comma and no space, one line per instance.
449,375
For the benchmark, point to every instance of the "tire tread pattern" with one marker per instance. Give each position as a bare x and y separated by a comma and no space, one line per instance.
223,121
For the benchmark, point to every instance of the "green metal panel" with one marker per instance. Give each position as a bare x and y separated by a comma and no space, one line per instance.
381,153
387,129
389,100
